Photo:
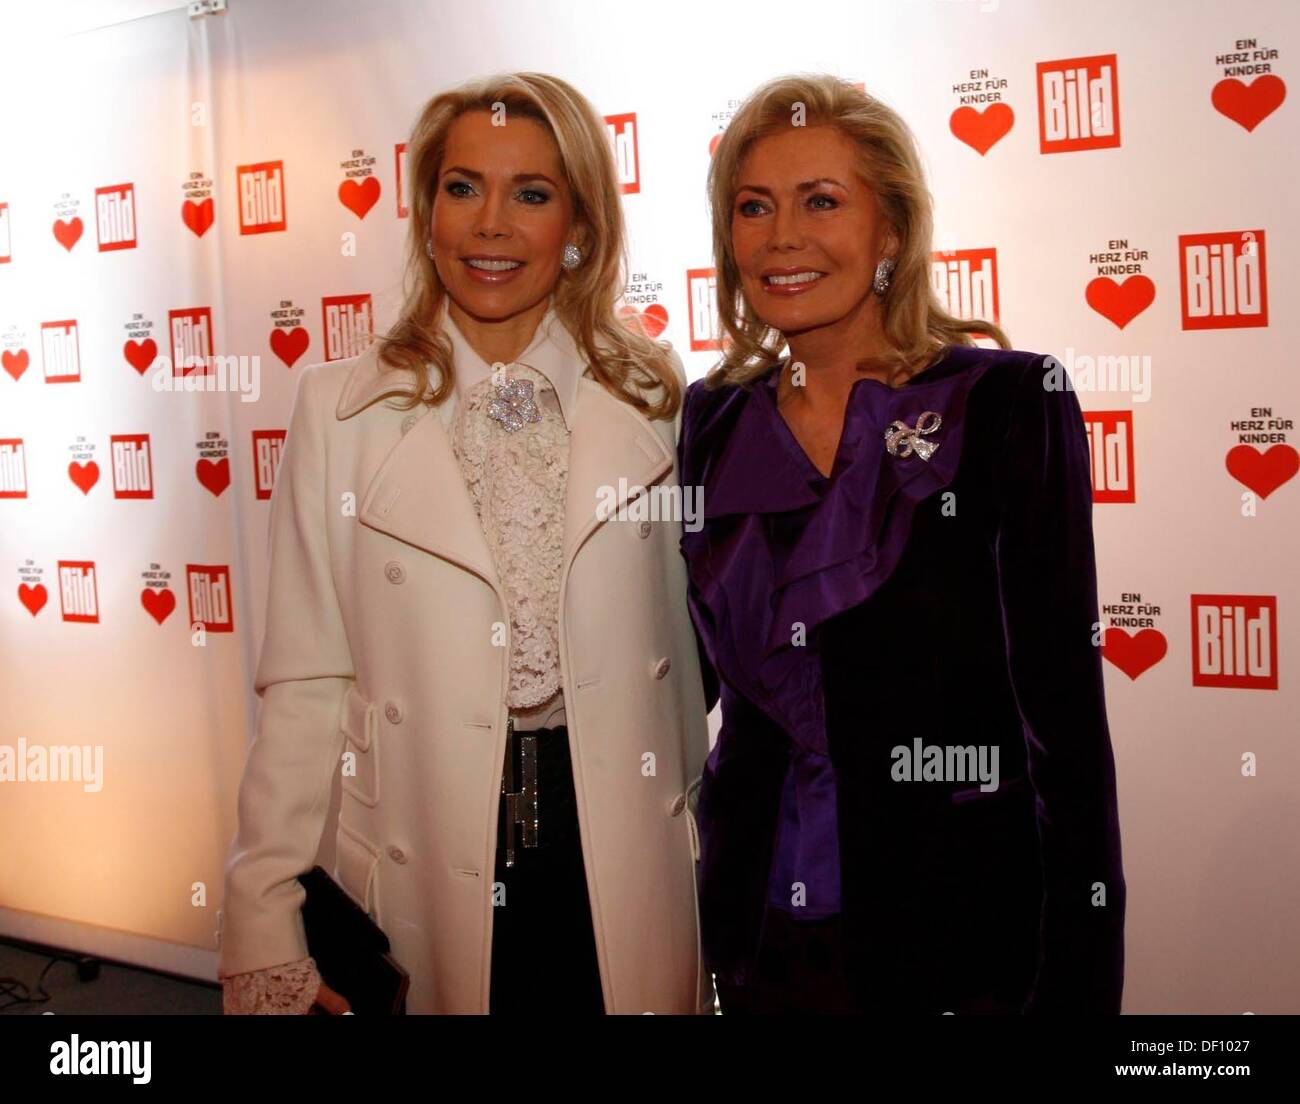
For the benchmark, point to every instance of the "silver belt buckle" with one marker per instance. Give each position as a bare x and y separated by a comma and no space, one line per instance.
521,804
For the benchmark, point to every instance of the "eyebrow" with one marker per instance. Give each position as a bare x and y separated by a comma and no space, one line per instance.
518,178
806,186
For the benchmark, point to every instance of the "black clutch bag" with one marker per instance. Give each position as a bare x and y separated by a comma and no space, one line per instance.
350,949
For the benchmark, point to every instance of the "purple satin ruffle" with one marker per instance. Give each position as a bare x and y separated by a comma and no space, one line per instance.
783,546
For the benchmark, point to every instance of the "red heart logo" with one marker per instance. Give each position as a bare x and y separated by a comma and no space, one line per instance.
214,474
15,363
1121,303
159,602
289,344
652,321
713,142
140,354
1134,654
33,597
359,197
1250,104
1262,472
982,129
67,234
198,216
84,476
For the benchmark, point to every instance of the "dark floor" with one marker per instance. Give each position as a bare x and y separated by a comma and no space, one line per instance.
117,989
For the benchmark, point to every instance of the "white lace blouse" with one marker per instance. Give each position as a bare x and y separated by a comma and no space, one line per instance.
517,481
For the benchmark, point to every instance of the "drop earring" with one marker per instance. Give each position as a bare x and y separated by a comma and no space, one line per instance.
880,284
428,248
572,256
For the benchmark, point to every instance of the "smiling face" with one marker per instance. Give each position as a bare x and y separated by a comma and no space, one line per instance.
502,214
806,231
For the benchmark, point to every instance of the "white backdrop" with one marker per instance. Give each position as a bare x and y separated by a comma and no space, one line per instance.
229,185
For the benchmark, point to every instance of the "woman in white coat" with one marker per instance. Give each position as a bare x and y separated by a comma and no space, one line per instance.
472,593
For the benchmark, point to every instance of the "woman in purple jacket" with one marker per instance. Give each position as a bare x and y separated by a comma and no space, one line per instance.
911,803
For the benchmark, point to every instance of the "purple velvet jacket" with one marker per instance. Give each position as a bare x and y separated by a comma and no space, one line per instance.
949,599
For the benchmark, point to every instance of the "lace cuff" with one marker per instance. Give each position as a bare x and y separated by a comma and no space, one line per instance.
287,990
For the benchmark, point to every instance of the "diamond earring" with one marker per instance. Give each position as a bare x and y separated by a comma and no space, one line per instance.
881,283
428,248
572,256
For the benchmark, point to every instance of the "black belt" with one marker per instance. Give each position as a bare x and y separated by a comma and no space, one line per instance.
538,808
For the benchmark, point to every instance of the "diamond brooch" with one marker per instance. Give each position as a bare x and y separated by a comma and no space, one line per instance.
903,440
512,405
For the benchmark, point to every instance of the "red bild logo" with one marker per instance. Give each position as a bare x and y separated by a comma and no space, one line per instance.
260,189
1234,639
1110,439
1223,279
622,137
209,593
267,446
1078,104
132,465
701,298
966,282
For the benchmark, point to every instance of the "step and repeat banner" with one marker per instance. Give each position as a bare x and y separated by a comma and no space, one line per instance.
192,209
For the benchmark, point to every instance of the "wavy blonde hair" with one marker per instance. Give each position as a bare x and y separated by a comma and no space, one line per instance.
628,364
915,324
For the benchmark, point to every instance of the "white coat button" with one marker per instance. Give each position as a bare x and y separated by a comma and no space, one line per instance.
679,803
393,712
409,421
643,529
661,668
397,854
395,571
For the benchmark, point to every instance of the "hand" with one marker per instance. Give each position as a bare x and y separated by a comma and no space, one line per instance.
329,1003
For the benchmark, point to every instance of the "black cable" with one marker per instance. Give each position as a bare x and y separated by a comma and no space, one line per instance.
19,991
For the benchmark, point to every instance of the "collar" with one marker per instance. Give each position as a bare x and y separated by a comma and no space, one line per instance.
553,352
758,467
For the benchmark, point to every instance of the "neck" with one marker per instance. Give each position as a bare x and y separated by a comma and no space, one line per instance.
834,356
499,340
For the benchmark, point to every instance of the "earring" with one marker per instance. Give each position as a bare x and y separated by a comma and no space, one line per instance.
572,256
881,283
428,248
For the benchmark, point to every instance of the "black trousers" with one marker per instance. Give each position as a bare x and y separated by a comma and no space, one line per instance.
543,946
800,971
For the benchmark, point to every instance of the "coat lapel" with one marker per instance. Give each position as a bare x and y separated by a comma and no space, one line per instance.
418,494
612,446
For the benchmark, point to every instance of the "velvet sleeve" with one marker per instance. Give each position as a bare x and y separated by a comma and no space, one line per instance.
1048,590
707,672
688,476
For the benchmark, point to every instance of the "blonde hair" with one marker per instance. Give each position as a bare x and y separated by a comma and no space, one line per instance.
627,363
915,325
